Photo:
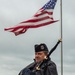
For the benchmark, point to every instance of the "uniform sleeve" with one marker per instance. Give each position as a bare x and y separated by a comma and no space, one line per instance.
26,70
20,73
52,69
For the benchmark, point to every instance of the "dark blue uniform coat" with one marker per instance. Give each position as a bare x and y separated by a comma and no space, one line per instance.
48,68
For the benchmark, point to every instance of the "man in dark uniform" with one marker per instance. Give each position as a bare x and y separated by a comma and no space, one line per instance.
42,64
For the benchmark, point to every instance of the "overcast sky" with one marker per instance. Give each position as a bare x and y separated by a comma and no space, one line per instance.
18,51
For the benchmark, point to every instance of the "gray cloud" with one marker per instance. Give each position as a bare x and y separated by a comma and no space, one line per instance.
17,52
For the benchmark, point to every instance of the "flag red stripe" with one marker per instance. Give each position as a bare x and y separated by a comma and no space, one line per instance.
44,12
36,20
30,26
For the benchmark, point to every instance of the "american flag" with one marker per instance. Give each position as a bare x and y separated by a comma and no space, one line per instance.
43,17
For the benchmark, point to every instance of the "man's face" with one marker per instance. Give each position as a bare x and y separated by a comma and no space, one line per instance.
39,56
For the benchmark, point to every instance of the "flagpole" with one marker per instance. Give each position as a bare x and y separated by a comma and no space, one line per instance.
61,37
